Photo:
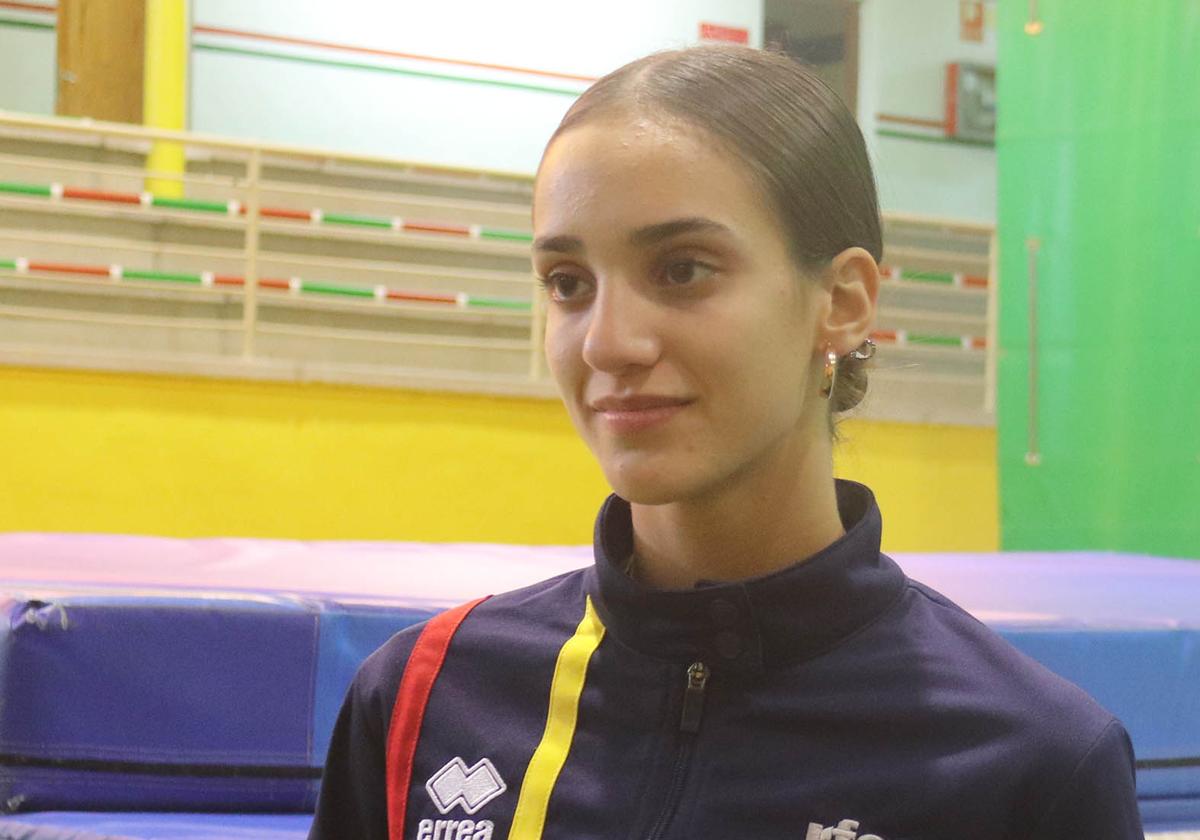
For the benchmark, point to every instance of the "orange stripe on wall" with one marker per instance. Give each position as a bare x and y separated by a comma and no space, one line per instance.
921,121
329,45
28,7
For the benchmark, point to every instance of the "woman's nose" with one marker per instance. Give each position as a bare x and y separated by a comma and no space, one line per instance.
621,330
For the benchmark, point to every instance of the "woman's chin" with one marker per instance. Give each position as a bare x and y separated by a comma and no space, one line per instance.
646,484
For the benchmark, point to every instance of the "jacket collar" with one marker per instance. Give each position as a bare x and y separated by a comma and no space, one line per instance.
756,624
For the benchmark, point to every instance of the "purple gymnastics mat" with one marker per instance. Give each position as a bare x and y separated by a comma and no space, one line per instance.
141,674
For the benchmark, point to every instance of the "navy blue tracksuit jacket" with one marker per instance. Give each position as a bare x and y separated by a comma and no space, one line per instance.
832,700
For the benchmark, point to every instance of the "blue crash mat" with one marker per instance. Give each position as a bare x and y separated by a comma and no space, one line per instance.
150,826
144,673
157,702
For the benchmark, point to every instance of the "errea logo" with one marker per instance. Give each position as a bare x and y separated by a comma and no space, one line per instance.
471,787
455,830
845,830
457,785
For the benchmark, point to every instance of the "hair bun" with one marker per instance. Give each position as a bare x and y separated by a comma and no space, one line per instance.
851,384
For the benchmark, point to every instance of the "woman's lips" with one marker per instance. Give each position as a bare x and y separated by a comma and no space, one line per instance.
624,419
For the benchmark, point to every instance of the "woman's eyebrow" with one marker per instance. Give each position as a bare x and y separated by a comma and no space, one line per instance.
559,244
642,237
652,234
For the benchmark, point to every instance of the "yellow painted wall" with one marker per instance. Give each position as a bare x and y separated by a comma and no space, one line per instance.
122,453
936,485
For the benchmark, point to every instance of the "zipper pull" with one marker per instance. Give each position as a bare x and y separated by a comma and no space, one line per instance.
693,697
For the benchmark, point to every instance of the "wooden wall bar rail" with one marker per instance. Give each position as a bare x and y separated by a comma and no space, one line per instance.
357,268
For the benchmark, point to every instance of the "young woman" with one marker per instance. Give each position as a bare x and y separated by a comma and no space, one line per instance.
741,661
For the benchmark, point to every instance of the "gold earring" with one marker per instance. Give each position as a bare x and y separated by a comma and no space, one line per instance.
831,366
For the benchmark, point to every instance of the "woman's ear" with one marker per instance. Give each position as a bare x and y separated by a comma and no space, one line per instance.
852,282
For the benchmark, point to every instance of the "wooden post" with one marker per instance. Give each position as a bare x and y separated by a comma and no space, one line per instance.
993,325
537,334
250,300
100,56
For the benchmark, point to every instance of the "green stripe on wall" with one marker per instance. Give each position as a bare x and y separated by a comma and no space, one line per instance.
510,236
360,221
377,68
935,340
335,289
11,265
24,189
928,277
498,303
25,24
191,204
934,138
165,276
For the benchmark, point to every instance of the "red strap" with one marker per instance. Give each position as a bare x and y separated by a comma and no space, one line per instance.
422,669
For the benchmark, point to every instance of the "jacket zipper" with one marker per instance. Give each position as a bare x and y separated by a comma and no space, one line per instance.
689,725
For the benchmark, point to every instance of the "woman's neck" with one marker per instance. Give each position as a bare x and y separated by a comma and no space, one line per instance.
761,522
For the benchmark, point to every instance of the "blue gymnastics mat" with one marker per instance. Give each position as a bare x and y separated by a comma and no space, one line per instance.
152,826
141,674
144,674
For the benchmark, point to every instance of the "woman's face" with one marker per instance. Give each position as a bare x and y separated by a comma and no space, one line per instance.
679,330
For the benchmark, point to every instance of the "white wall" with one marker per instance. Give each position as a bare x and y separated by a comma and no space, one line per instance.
904,47
461,121
903,50
27,63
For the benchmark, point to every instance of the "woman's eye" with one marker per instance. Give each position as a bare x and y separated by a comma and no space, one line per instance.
562,287
686,272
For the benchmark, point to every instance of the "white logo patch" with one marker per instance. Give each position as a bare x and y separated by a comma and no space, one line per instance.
845,830
470,787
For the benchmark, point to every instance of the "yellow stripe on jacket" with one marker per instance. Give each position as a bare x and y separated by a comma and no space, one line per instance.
570,673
